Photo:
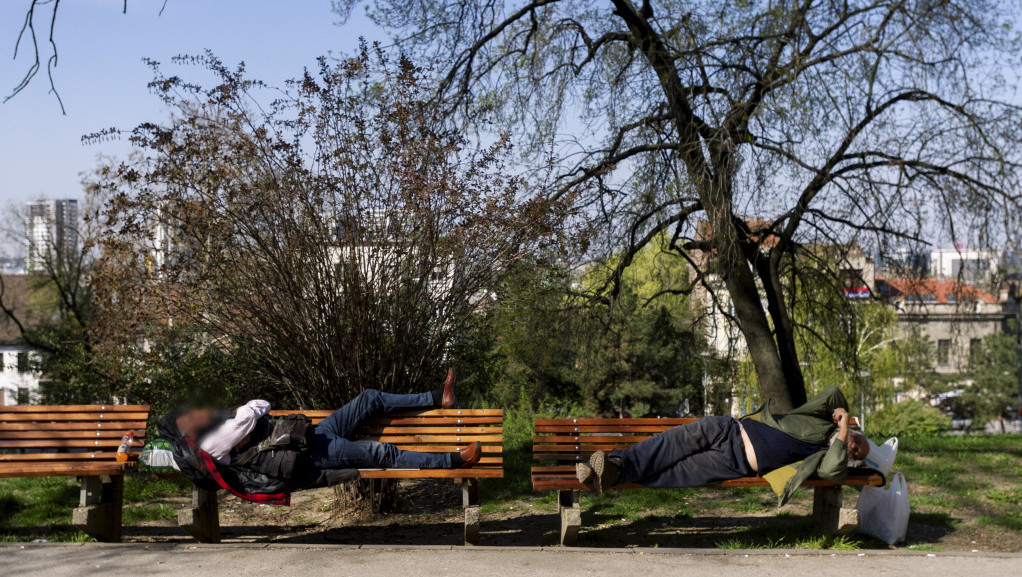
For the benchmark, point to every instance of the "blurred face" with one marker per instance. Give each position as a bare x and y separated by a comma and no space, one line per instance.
193,422
858,447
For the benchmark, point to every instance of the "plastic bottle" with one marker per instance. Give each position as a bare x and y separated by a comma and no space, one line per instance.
122,451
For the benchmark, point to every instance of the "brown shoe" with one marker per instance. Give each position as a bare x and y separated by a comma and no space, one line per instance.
448,399
471,454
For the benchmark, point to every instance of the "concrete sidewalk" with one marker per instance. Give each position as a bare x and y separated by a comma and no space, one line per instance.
132,560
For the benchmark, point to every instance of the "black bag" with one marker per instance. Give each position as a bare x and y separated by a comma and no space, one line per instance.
199,468
285,443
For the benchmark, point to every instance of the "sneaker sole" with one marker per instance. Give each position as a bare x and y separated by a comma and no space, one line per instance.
583,472
598,463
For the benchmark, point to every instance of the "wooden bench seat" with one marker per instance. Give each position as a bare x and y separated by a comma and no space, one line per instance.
560,443
75,441
432,431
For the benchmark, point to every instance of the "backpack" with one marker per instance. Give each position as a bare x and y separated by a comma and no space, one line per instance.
198,466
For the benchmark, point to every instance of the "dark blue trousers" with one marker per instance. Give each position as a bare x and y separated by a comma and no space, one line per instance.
334,448
700,453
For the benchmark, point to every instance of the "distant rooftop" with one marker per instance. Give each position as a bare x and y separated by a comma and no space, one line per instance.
932,290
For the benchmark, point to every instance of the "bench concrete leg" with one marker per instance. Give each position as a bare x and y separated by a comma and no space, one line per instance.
571,515
99,507
829,515
470,501
202,519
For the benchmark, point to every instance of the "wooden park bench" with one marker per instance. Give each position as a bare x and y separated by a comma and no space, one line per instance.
433,431
560,443
75,441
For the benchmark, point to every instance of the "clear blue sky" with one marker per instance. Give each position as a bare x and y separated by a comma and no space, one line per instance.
102,80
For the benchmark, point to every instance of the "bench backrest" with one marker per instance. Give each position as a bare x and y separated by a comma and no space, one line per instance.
52,434
569,440
434,431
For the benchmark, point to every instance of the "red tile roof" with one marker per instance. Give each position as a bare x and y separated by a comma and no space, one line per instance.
939,288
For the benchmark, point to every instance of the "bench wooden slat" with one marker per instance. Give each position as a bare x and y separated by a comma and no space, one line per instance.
581,447
67,443
431,439
433,430
560,478
388,420
82,456
433,413
575,439
71,426
61,469
10,417
469,473
114,433
541,484
569,429
447,448
666,423
74,408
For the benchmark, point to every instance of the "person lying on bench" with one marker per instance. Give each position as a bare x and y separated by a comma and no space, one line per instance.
265,454
814,439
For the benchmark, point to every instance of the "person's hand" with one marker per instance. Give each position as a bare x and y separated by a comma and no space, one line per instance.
841,419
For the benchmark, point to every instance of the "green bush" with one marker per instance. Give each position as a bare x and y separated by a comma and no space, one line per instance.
908,418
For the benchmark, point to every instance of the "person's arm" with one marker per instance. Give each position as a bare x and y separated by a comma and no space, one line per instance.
220,442
834,466
824,404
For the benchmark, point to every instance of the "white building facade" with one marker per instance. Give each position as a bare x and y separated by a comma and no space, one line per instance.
51,229
19,384
969,265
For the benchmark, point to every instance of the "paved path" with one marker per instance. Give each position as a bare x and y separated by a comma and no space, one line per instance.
134,560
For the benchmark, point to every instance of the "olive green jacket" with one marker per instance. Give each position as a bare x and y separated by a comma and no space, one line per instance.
812,423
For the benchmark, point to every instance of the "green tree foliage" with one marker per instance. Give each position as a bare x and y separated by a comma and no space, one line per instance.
534,337
908,418
643,353
843,339
554,352
993,389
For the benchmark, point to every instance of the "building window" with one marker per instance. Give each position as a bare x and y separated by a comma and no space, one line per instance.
22,396
943,351
975,346
23,362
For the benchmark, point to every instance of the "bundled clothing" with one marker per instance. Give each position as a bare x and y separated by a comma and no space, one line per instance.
789,449
812,423
263,458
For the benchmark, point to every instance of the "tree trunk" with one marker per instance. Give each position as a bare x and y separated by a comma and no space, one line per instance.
755,326
784,332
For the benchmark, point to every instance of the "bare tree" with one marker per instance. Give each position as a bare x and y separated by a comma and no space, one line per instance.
342,235
778,124
43,12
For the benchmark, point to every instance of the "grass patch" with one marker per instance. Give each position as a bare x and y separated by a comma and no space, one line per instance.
41,507
136,514
37,501
631,504
925,547
840,543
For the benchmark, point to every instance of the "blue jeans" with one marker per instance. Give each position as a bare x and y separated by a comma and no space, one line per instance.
706,451
333,447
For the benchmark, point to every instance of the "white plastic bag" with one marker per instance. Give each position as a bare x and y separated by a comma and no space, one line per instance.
884,511
881,457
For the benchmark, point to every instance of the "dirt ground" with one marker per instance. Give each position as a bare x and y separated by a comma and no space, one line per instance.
429,513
